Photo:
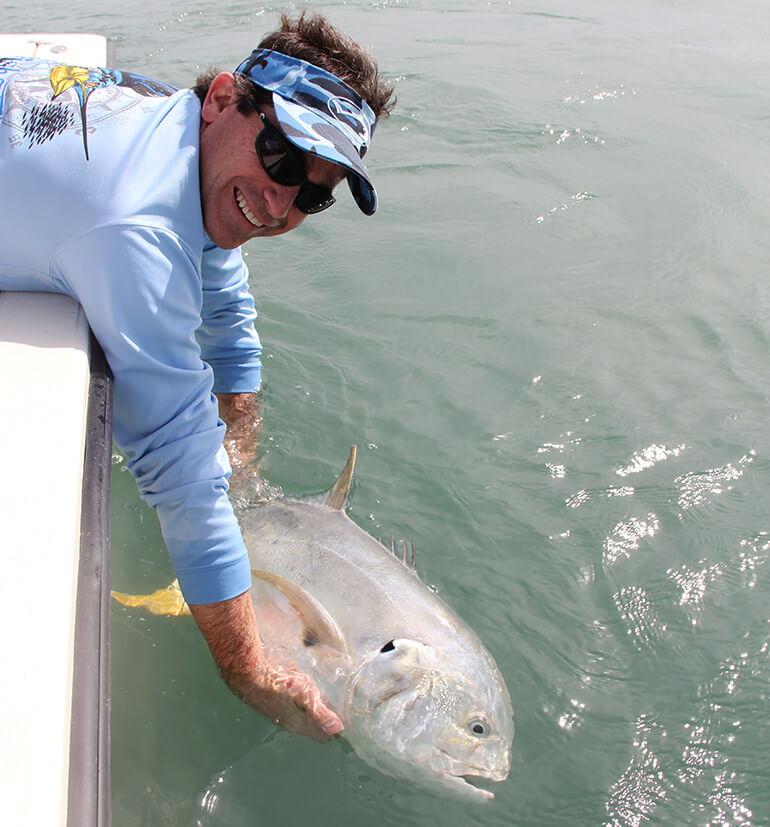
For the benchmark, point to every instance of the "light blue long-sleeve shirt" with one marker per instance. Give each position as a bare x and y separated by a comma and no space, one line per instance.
99,199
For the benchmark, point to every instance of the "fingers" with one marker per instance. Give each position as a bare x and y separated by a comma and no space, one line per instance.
304,695
307,697
320,714
298,723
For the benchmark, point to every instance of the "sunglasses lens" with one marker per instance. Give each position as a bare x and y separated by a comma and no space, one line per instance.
286,166
313,198
281,161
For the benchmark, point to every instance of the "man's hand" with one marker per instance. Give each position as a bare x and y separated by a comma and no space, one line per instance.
285,695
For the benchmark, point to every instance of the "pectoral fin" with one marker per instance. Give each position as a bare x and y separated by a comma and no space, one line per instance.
168,601
319,626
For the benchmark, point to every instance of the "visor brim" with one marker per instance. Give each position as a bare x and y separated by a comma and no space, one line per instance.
310,132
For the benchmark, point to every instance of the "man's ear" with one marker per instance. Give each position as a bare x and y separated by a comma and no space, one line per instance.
220,95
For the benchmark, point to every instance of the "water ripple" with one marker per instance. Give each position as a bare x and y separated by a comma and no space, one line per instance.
728,803
703,777
563,135
693,582
559,208
638,613
577,499
620,491
581,497
560,447
697,488
648,457
557,472
626,537
573,717
598,93
754,553
640,788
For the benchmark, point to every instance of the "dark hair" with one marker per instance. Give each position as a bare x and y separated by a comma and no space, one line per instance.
312,38
248,94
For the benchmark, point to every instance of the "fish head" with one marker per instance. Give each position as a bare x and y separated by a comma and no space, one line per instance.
413,714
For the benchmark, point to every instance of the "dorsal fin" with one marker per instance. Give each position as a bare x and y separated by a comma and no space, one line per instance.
404,551
337,495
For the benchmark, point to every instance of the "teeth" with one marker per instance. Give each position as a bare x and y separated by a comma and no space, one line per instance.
245,208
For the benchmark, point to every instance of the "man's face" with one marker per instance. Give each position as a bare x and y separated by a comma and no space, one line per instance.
239,199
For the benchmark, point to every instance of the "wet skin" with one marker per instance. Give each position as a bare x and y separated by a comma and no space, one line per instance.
229,165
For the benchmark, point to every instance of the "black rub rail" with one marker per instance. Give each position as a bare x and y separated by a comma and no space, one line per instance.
89,771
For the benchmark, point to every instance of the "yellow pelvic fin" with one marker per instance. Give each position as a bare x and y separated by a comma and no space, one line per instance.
318,623
168,601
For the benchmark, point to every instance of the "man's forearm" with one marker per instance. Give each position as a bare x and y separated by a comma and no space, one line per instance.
242,414
230,629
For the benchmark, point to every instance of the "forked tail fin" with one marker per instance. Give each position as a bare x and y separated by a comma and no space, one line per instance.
169,601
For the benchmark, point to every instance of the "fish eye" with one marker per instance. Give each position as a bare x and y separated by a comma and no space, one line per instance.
478,727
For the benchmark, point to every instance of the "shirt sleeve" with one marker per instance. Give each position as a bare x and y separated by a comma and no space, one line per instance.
141,291
227,337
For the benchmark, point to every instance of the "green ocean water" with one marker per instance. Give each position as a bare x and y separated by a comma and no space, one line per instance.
552,347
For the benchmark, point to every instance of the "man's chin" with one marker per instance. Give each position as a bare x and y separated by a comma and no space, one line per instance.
222,238
228,240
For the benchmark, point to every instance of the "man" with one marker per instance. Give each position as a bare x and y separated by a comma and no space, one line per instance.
134,198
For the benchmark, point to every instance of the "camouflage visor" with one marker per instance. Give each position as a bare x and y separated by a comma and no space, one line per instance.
319,114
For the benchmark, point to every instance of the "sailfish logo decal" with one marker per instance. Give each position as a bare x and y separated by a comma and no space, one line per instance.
84,81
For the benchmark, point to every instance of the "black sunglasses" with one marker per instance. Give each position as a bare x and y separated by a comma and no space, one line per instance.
285,164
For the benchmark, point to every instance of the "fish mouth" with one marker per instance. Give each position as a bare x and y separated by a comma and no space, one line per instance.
472,781
467,785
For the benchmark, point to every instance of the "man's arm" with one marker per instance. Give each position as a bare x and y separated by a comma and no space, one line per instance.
229,343
242,414
231,346
285,695
230,627
168,426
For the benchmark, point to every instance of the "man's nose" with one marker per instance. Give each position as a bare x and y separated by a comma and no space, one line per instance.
279,200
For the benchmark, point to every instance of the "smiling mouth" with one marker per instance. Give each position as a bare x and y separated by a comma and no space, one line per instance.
245,209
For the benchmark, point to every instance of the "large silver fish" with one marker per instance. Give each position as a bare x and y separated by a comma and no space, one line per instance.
420,696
